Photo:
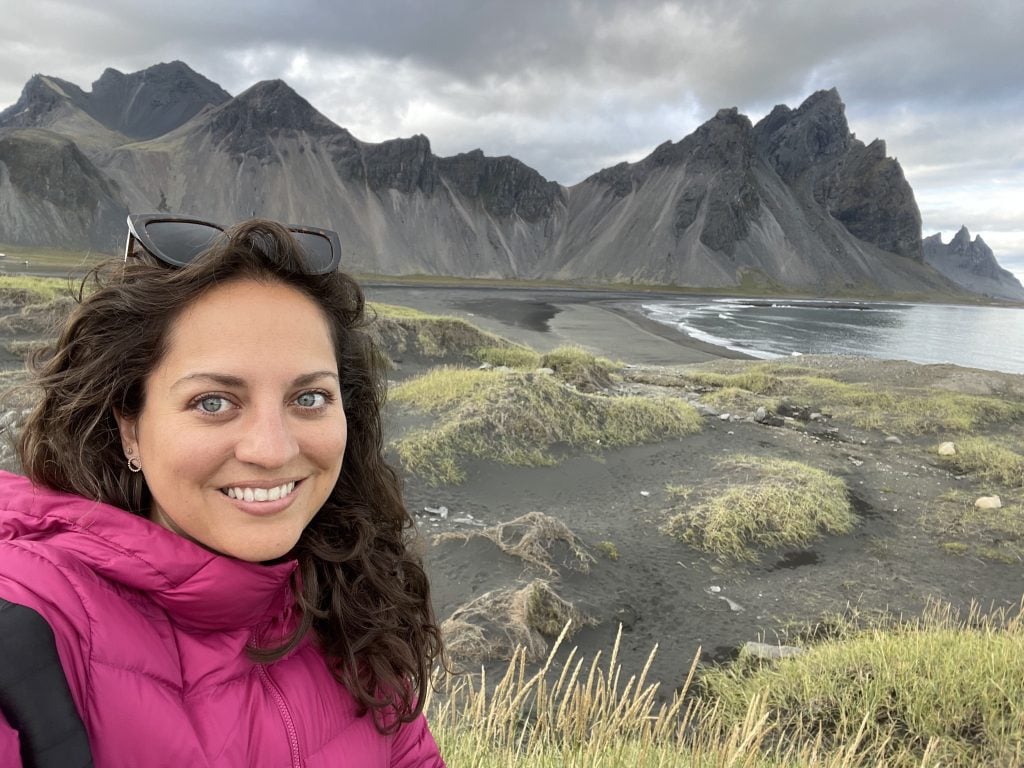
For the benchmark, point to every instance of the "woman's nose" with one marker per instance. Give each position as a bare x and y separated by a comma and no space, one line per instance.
267,439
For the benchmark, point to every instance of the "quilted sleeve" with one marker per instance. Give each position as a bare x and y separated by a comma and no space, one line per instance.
414,747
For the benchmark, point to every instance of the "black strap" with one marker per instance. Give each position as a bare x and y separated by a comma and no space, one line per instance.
34,694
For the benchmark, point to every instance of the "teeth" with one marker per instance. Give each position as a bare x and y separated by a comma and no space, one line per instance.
260,494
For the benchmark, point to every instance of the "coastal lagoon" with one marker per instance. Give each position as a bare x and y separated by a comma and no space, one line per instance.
979,337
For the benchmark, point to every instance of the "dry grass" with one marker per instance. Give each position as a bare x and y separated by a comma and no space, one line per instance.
940,692
497,623
19,290
771,503
531,538
949,687
519,418
987,459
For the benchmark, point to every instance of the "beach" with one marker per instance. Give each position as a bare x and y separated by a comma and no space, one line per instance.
661,591
603,322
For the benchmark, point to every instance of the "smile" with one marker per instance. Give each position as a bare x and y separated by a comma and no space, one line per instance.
259,494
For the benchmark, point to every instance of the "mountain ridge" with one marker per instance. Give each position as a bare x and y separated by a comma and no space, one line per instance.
795,201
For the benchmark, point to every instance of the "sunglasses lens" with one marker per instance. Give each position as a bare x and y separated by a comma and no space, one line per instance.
319,250
181,242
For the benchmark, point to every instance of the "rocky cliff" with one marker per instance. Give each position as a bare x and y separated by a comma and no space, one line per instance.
972,265
794,202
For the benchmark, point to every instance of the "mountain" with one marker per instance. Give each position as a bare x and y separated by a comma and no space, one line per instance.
141,105
794,202
51,194
972,265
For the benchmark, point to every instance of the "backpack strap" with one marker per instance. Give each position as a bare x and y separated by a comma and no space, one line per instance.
34,695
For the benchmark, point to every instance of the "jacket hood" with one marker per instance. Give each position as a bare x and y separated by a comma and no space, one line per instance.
199,588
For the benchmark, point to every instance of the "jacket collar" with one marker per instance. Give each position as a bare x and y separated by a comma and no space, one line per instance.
198,588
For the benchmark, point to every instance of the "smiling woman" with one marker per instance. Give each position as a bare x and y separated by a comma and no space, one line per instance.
208,525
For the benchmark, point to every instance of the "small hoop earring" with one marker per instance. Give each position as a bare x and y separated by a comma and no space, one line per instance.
134,464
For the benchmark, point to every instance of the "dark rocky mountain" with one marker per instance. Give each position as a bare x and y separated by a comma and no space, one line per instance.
795,202
51,194
972,265
141,105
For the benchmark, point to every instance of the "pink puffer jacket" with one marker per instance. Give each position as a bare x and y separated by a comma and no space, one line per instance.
152,631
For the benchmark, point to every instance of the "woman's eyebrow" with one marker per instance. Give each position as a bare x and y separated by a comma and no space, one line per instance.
227,380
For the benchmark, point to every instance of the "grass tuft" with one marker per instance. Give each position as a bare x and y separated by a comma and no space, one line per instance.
989,460
775,503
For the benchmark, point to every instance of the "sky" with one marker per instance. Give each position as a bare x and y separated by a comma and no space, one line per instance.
570,87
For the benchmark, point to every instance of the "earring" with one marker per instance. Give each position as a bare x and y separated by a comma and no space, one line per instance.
134,464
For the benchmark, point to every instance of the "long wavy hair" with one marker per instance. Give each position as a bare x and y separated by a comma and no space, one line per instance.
360,587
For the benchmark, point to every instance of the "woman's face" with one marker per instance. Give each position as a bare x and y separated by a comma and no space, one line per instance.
242,434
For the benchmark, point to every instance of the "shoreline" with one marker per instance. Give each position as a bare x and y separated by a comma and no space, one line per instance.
605,323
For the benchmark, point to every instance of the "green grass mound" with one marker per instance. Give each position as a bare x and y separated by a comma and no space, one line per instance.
912,410
519,418
402,330
24,289
575,366
989,460
951,690
510,357
775,503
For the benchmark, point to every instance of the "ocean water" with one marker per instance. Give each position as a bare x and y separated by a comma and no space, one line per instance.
978,337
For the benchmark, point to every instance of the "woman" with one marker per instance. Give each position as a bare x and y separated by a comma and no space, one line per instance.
208,526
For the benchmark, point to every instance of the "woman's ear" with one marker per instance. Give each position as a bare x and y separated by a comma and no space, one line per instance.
129,433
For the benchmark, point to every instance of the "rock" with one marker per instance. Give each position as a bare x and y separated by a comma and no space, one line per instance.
645,493
774,421
545,371
441,512
817,417
971,265
988,502
770,652
725,416
761,413
485,367
947,449
893,439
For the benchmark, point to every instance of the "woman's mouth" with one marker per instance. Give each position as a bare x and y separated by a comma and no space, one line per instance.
246,493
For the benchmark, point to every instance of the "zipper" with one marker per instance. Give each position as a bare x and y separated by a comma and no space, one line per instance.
282,708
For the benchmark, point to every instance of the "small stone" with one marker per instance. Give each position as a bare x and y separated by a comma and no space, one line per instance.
947,449
816,417
714,589
893,439
545,371
771,652
988,502
485,367
761,413
645,493
441,512
725,416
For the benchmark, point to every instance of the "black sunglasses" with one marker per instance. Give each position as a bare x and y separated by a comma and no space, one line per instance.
178,240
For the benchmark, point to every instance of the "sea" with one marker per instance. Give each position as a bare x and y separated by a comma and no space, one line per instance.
974,336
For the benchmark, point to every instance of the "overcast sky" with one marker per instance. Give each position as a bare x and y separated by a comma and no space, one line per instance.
573,87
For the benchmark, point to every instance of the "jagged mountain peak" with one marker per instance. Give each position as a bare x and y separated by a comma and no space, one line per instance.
961,239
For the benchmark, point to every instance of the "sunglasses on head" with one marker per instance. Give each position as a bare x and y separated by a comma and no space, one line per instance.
178,240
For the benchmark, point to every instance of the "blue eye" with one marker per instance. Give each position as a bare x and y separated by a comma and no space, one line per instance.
311,400
212,404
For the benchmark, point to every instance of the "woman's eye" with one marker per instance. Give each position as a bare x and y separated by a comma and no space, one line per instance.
311,400
212,404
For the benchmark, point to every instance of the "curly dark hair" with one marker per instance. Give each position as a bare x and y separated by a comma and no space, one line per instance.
359,586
